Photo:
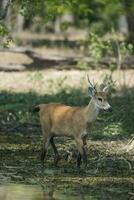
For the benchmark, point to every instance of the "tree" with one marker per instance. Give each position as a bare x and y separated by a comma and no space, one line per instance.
129,9
99,15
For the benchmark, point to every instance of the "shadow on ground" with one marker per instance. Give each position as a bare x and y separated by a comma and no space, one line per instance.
16,109
20,144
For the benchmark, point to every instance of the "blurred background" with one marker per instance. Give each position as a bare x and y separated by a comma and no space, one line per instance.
67,34
47,48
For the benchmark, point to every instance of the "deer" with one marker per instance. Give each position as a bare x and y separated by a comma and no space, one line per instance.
70,121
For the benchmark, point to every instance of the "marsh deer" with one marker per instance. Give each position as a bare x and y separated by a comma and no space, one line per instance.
75,122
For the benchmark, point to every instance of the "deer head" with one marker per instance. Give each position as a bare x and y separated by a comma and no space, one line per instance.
99,95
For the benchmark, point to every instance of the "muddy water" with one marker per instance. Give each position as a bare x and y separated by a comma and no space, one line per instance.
68,190
23,178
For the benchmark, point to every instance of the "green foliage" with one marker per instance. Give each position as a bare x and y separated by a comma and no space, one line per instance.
126,49
37,76
45,9
98,15
97,12
5,38
103,47
17,108
97,47
3,30
82,65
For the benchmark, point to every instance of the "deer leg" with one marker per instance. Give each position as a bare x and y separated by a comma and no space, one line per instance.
84,139
82,152
57,157
79,160
46,141
82,149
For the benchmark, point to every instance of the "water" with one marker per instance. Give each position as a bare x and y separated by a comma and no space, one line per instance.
22,177
70,188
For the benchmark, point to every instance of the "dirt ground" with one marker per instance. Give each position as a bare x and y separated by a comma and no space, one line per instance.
29,78
42,82
110,170
38,81
109,173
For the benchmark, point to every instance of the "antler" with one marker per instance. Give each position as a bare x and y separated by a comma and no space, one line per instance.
107,85
93,86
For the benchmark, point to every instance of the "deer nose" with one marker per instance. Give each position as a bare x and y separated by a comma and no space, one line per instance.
110,109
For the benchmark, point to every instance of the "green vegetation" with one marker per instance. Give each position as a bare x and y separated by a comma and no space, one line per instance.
66,34
17,109
108,48
21,143
99,16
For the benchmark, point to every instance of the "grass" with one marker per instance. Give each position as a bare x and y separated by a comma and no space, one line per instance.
110,171
15,108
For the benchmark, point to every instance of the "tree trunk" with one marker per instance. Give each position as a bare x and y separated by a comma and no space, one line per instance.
130,20
4,5
19,23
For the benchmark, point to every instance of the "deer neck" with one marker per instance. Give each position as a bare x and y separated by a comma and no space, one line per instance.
92,111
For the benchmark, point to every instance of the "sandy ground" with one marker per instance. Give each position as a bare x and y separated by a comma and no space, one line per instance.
39,81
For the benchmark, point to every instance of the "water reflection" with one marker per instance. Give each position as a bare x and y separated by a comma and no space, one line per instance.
21,192
68,191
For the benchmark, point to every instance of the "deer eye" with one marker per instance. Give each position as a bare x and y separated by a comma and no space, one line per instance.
100,99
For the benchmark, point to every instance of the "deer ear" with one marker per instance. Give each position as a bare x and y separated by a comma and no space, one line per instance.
101,87
91,91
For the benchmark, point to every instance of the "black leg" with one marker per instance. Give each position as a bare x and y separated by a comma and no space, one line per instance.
43,155
78,160
57,157
84,157
84,150
44,149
